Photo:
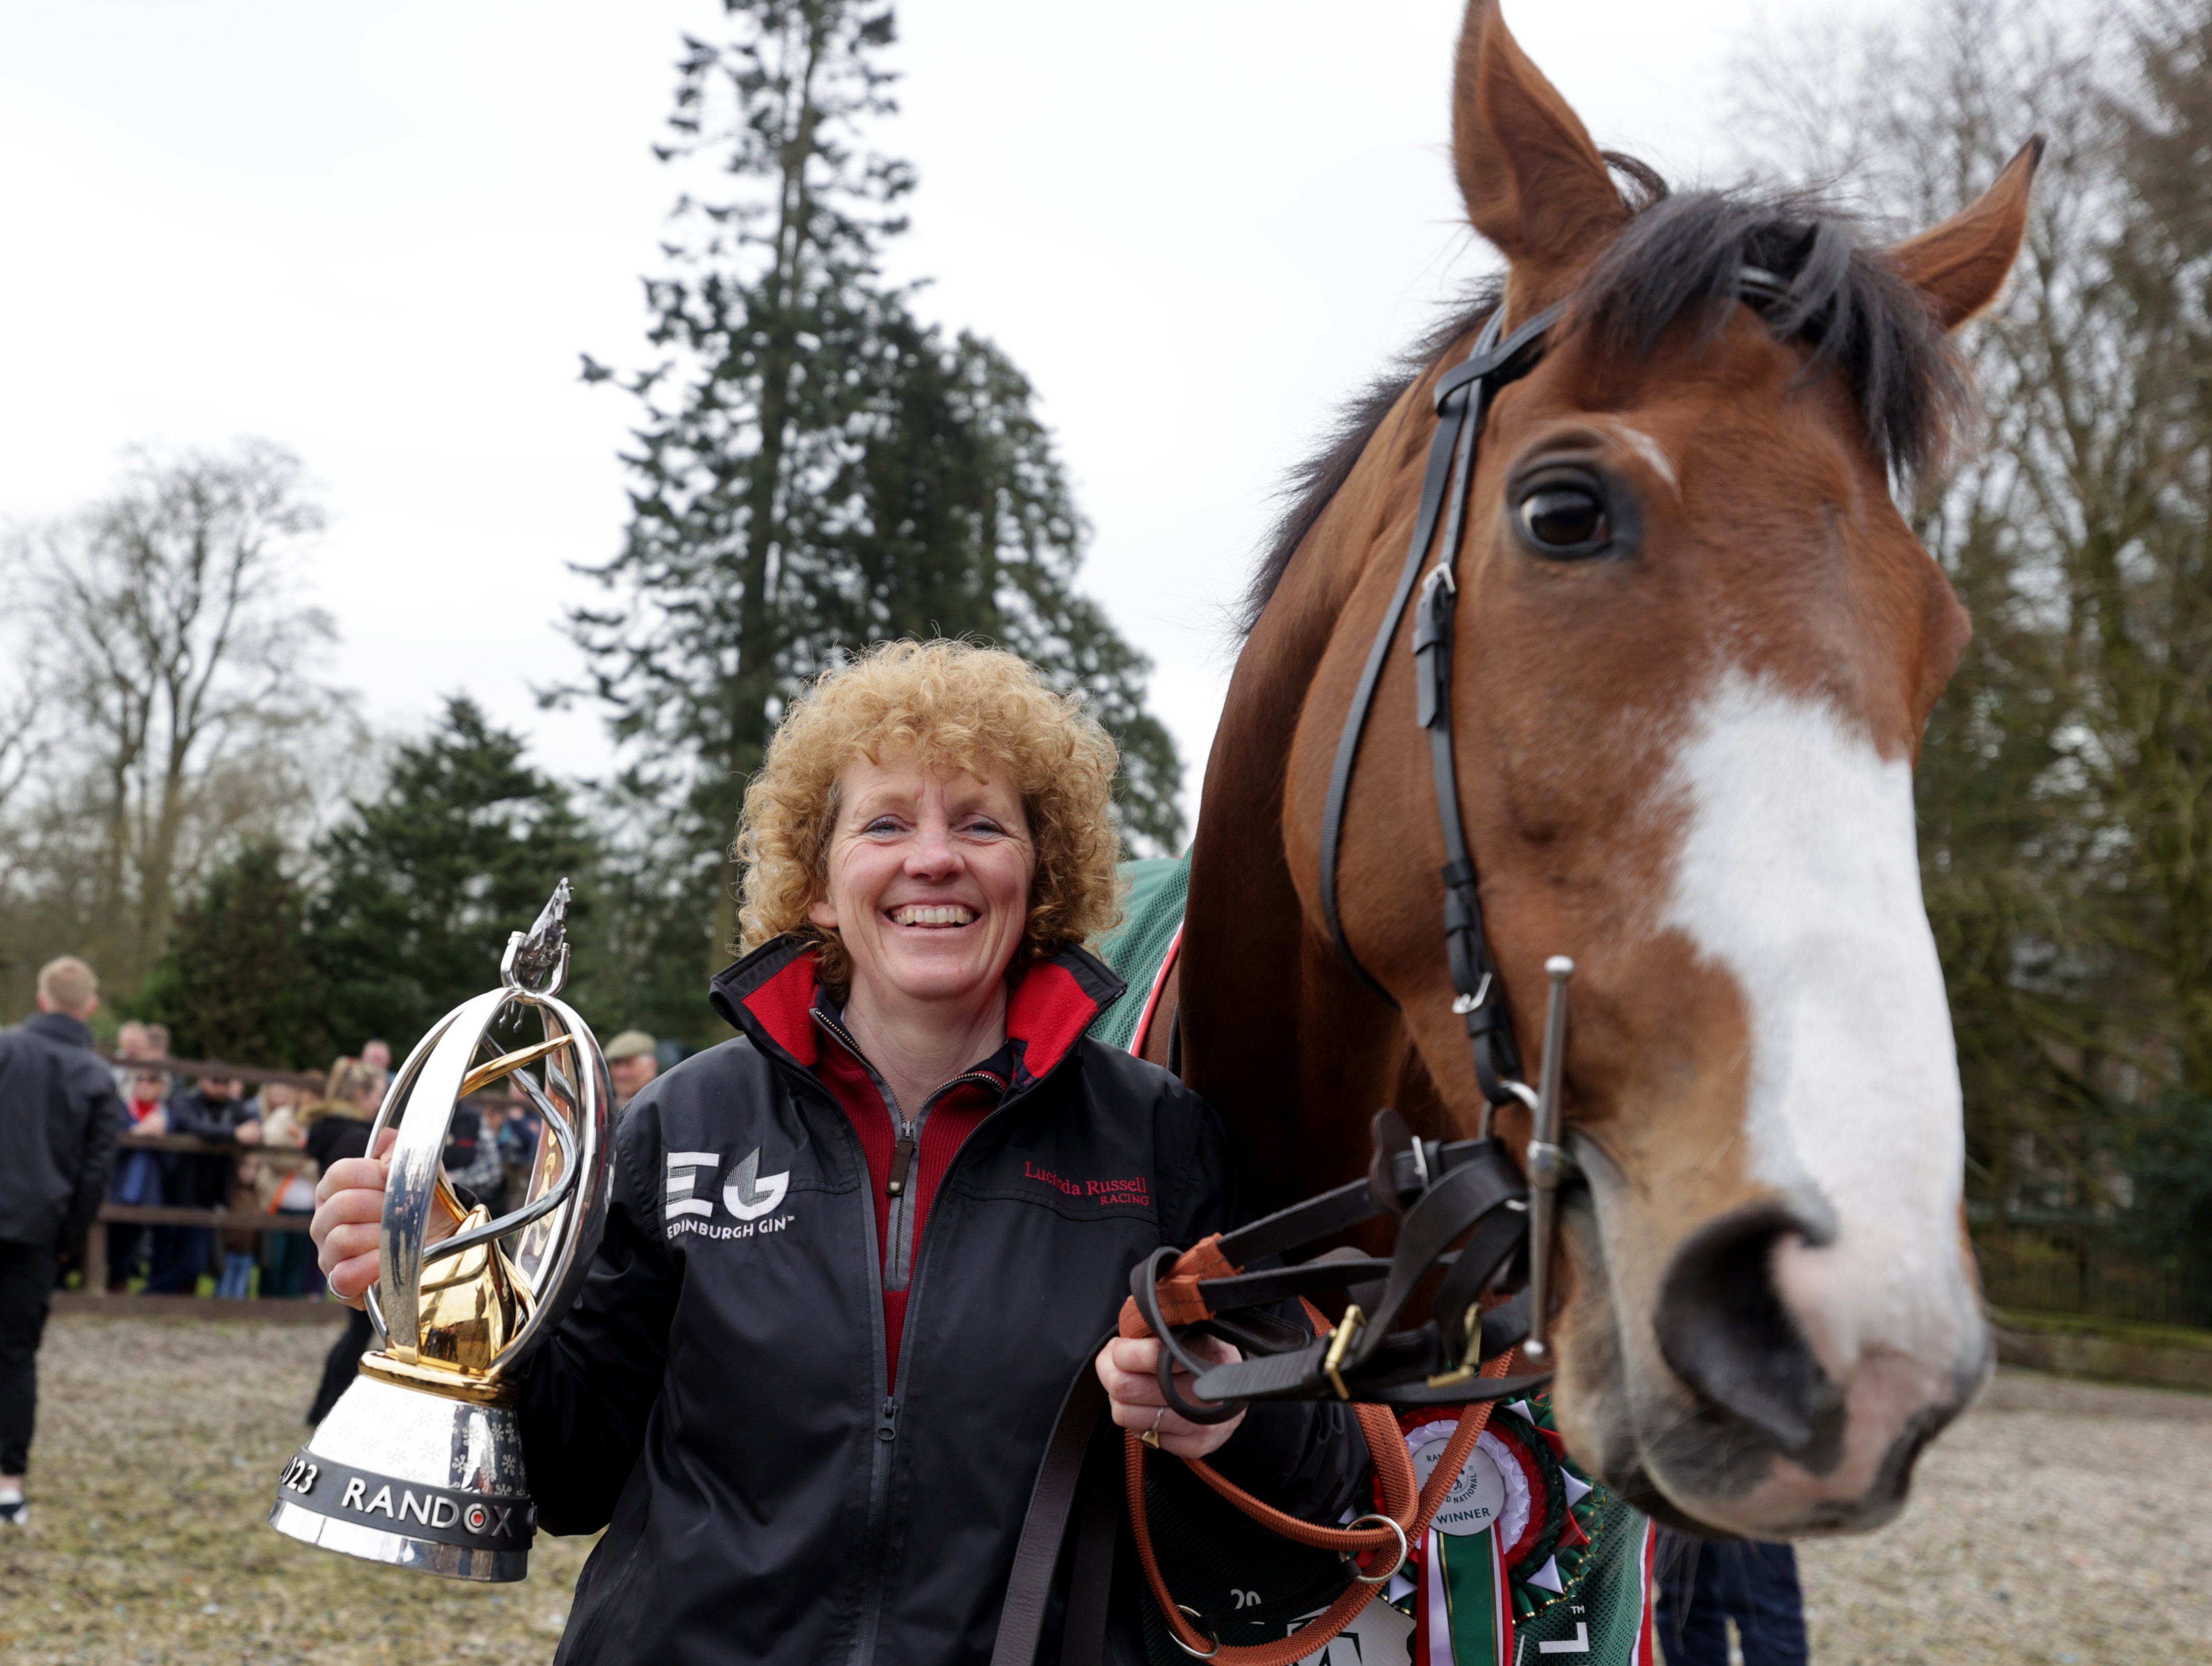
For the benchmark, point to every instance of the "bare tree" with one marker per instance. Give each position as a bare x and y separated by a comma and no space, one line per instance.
23,697
181,656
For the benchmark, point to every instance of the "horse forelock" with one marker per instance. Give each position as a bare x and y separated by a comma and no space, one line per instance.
1677,254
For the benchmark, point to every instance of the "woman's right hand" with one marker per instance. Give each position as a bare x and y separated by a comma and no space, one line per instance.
349,1220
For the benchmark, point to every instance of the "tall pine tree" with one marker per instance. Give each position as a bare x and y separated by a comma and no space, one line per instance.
817,468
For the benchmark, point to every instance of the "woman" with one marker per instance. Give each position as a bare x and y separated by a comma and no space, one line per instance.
856,1257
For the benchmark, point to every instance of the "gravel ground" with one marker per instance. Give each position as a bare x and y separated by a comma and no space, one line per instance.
2061,1522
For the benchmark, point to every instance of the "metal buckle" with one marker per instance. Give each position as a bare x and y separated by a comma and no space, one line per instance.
1463,1005
1195,1616
1338,1346
1520,1090
1385,1576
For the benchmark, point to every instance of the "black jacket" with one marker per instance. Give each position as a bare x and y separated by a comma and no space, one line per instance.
718,1396
336,1135
59,1118
202,1180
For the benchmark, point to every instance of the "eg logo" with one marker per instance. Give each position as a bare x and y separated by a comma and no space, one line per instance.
748,1196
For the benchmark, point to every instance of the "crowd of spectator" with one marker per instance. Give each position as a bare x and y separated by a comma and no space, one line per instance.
488,1152
76,1132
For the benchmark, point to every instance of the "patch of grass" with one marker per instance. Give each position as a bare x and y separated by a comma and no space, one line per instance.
156,1462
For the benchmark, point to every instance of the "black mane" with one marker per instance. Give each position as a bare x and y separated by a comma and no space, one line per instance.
1687,250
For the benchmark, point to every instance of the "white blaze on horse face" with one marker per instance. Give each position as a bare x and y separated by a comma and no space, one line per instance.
1799,872
1651,452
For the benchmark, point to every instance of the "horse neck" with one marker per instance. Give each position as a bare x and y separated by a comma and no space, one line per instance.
1276,1034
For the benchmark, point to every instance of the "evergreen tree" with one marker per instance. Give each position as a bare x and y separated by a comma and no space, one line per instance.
236,981
816,468
422,886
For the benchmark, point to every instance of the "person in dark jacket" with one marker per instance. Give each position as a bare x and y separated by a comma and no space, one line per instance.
213,1108
856,1257
59,1119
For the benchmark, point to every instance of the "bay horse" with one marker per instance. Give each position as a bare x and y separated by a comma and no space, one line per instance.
1697,643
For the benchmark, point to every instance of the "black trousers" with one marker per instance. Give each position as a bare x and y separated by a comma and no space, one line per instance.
26,1292
343,1364
179,1256
1704,1584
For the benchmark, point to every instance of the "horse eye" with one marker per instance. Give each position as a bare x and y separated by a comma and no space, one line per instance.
1566,519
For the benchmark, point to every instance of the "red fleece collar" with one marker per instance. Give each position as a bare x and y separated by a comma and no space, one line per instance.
1046,1015
781,1005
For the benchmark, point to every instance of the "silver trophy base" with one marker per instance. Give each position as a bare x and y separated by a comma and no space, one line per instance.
387,1458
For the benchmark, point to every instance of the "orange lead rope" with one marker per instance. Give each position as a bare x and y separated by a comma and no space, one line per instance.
1406,1513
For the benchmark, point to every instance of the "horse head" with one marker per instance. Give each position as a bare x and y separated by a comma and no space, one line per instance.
1696,642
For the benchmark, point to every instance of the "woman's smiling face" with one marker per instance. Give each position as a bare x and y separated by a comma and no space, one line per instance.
928,880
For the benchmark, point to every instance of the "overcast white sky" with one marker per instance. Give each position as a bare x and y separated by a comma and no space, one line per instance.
380,236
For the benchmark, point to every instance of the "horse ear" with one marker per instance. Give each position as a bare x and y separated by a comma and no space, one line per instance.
1961,265
1533,182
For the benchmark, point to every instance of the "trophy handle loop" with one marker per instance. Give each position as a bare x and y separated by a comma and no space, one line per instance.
396,1094
429,1087
584,1186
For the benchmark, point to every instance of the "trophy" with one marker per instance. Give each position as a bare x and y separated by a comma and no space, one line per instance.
420,1462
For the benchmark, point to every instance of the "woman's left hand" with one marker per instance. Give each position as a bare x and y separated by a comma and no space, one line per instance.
1129,1367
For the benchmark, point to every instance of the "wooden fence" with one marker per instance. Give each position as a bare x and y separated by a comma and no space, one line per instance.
96,1297
2082,1267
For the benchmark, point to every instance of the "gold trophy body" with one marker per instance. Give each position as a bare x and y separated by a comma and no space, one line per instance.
420,1462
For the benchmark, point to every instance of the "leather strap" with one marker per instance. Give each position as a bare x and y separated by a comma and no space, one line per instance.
1463,395
1036,1554
1091,1583
1180,1302
1441,449
1394,1467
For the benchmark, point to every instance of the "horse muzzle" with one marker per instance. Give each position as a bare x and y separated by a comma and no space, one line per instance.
1749,1402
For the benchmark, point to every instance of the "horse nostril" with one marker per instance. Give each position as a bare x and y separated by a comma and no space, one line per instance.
1725,1330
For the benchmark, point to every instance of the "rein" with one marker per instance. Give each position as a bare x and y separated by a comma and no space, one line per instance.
1467,1192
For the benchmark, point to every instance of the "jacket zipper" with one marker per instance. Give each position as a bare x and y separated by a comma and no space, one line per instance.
887,1409
906,1144
863,1650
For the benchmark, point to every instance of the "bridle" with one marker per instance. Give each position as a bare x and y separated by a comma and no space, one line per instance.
1463,396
